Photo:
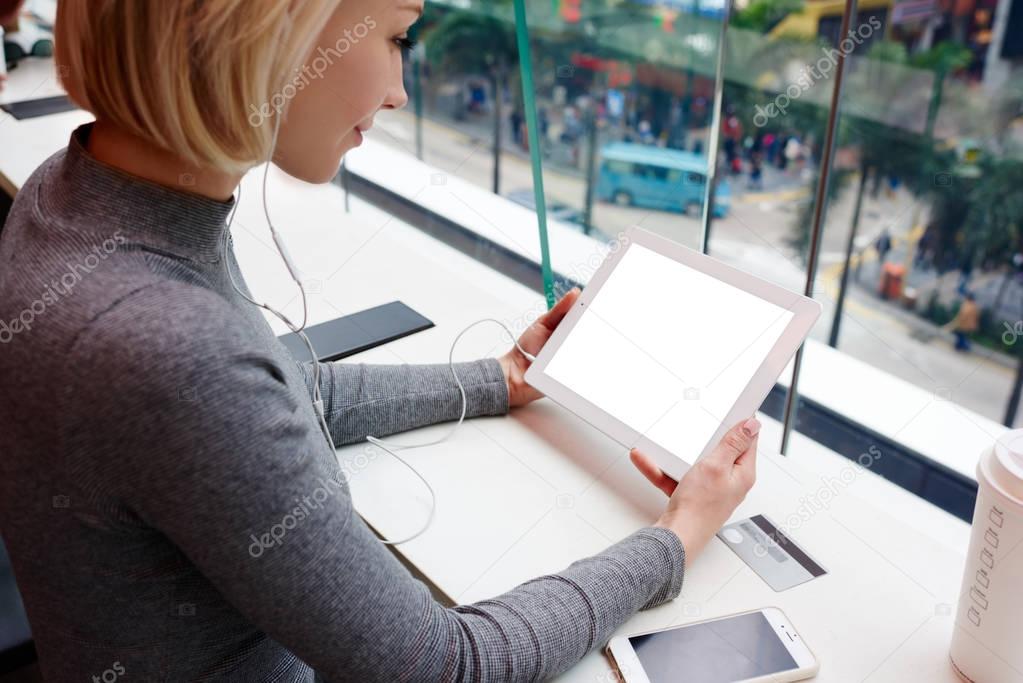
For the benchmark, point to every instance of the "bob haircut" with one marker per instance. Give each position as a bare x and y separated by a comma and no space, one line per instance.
185,74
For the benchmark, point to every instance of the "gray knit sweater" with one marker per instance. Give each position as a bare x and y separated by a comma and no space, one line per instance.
153,429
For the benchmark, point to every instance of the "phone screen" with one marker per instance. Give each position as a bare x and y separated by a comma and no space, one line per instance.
721,651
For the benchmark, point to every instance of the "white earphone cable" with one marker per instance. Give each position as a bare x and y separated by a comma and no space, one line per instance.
300,331
461,389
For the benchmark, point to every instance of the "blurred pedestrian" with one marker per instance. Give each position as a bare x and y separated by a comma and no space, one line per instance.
966,322
735,166
756,171
792,152
924,257
9,10
771,147
477,96
893,185
883,245
515,118
781,158
646,134
731,134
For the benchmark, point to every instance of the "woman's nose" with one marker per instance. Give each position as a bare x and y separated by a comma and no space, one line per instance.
397,98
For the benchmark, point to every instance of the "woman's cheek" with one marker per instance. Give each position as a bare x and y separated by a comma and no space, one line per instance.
369,88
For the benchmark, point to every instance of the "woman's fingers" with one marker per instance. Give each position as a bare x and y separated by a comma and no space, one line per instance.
746,464
553,317
735,443
749,457
652,472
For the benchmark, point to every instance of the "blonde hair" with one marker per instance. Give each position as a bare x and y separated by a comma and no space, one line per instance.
185,74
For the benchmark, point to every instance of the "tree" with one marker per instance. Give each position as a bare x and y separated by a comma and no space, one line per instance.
884,151
976,217
474,42
763,15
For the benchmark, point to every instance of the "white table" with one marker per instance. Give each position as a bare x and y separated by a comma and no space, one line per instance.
25,144
538,489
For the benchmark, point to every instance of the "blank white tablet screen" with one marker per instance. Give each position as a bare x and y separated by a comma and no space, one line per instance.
667,349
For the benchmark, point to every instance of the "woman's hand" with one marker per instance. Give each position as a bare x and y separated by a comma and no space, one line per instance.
532,340
710,491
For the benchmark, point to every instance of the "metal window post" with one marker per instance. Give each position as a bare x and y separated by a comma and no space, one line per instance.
819,212
714,144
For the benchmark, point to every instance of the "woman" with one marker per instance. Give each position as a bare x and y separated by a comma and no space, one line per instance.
966,321
152,425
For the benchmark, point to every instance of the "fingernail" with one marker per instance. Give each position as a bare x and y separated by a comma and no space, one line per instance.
751,426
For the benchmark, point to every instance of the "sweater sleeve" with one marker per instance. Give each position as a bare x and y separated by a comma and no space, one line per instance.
376,400
241,481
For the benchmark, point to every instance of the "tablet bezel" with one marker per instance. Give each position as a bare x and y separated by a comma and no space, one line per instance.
805,313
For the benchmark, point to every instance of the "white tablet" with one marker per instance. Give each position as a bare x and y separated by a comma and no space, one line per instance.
667,348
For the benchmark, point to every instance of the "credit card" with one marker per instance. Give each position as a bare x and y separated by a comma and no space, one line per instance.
770,553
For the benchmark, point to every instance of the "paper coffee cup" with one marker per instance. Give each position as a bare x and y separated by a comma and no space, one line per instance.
987,645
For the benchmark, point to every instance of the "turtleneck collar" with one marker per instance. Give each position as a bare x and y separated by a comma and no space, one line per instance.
190,224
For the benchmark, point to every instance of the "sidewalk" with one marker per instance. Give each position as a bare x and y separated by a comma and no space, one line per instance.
864,289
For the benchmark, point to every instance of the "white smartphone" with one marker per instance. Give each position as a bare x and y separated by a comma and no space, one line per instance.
752,647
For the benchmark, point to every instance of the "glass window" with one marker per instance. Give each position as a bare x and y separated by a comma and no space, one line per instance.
629,79
921,251
920,261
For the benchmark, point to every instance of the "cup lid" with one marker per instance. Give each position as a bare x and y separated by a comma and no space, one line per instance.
1009,456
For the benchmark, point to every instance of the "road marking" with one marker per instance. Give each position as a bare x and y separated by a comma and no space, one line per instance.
779,196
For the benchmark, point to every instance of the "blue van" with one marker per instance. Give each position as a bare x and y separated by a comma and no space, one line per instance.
657,178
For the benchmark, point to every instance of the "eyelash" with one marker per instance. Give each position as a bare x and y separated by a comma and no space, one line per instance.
405,43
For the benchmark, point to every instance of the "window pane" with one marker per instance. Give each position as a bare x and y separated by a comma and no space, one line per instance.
927,186
771,138
624,94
